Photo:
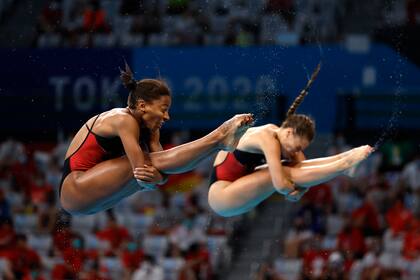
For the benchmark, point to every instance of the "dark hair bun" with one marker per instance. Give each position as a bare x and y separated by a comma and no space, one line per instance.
127,78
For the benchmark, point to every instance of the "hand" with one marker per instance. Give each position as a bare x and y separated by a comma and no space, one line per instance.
148,174
297,194
287,187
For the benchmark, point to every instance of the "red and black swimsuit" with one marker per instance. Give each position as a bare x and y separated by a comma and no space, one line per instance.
93,150
236,165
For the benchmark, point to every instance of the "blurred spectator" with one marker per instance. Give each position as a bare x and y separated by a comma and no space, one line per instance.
351,240
95,272
149,270
217,225
114,234
174,260
398,217
320,195
146,24
198,261
52,17
75,254
7,236
23,258
166,217
186,29
34,273
295,237
94,18
131,257
12,151
314,258
4,207
63,272
313,215
411,249
39,189
47,217
346,196
335,268
377,193
411,172
53,173
268,272
187,233
366,219
413,12
370,264
27,207
283,7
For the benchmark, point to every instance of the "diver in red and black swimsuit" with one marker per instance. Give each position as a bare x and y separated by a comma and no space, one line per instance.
236,165
93,150
270,159
123,143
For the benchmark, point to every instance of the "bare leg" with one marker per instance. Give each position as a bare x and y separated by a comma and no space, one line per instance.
234,198
106,183
324,160
185,157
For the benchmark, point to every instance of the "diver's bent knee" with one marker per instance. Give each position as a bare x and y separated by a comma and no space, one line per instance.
224,214
284,190
74,209
220,210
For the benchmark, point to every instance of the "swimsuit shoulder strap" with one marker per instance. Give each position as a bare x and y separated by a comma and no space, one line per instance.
90,128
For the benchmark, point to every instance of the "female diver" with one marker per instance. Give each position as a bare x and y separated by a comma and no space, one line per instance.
270,159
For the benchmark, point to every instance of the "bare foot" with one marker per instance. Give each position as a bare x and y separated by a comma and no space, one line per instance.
357,155
351,172
233,129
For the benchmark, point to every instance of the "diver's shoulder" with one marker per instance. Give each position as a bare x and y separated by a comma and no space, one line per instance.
266,127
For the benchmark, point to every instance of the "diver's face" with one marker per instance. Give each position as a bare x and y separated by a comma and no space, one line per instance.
155,113
292,144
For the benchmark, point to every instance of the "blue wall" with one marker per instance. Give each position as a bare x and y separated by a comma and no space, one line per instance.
42,91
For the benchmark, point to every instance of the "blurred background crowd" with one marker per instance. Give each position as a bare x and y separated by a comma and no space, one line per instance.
363,227
134,23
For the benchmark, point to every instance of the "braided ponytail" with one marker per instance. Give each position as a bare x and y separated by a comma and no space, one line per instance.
296,103
298,100
302,125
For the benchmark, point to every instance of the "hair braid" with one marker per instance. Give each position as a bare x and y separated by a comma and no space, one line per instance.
296,103
298,100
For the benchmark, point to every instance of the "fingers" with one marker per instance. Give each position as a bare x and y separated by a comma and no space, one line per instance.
144,177
294,193
297,194
146,173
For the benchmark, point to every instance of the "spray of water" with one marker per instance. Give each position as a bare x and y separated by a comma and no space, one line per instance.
390,129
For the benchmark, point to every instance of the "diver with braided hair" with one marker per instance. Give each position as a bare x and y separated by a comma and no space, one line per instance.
270,159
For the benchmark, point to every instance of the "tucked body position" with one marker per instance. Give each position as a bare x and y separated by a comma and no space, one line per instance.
270,159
